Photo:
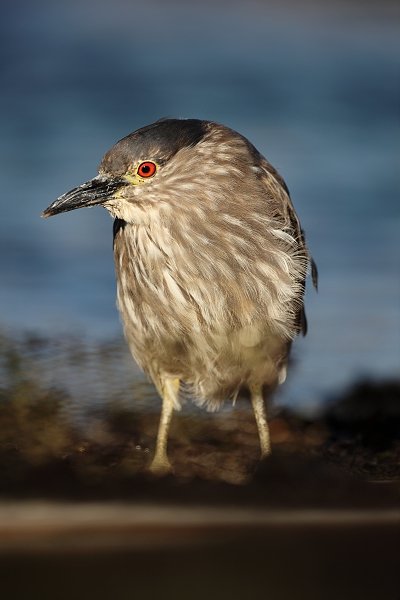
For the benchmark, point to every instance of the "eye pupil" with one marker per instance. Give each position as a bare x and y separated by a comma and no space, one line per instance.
146,169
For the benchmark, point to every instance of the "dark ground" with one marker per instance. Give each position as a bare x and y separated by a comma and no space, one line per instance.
43,454
278,563
46,450
324,509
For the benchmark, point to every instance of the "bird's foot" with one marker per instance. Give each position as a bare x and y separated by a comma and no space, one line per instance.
161,466
265,452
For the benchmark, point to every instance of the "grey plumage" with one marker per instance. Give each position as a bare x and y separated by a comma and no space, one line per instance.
210,261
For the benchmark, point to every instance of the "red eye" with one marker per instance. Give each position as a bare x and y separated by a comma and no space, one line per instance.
146,169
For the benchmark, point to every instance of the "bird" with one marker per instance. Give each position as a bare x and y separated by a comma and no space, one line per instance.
211,265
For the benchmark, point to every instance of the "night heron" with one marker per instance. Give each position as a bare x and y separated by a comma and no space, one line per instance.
210,261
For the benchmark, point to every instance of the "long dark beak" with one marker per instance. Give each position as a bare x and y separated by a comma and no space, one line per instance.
96,191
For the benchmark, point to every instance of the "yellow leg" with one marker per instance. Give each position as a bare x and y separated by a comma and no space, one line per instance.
260,414
170,389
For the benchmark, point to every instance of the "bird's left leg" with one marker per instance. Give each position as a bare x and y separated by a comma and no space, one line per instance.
260,414
169,390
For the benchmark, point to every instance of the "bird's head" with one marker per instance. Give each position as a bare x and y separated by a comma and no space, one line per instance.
171,163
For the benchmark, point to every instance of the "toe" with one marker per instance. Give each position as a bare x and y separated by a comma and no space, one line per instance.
160,466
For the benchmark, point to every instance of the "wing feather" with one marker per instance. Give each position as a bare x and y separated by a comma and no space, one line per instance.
285,212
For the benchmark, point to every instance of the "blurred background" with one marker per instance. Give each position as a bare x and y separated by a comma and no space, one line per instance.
315,87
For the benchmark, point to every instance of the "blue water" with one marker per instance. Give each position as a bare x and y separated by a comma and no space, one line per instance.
317,92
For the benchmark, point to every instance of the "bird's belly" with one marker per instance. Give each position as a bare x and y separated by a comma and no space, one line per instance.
215,362
215,334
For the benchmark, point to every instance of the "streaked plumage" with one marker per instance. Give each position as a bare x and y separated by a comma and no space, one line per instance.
210,262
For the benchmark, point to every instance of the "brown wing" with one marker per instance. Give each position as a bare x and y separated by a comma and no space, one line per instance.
287,214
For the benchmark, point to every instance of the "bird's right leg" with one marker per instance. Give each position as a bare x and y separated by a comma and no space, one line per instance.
169,390
260,414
